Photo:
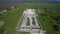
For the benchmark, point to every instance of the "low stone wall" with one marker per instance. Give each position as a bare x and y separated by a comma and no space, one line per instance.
1,23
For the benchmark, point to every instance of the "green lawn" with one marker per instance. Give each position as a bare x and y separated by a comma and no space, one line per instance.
11,18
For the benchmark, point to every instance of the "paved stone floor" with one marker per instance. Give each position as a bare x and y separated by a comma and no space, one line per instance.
30,13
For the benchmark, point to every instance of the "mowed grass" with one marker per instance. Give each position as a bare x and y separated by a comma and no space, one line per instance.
11,20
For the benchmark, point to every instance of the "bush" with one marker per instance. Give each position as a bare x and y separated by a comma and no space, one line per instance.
55,27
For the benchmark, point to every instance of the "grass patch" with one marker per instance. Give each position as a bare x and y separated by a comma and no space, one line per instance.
28,22
33,21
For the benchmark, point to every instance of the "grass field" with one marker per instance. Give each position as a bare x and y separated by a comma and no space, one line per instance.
44,10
